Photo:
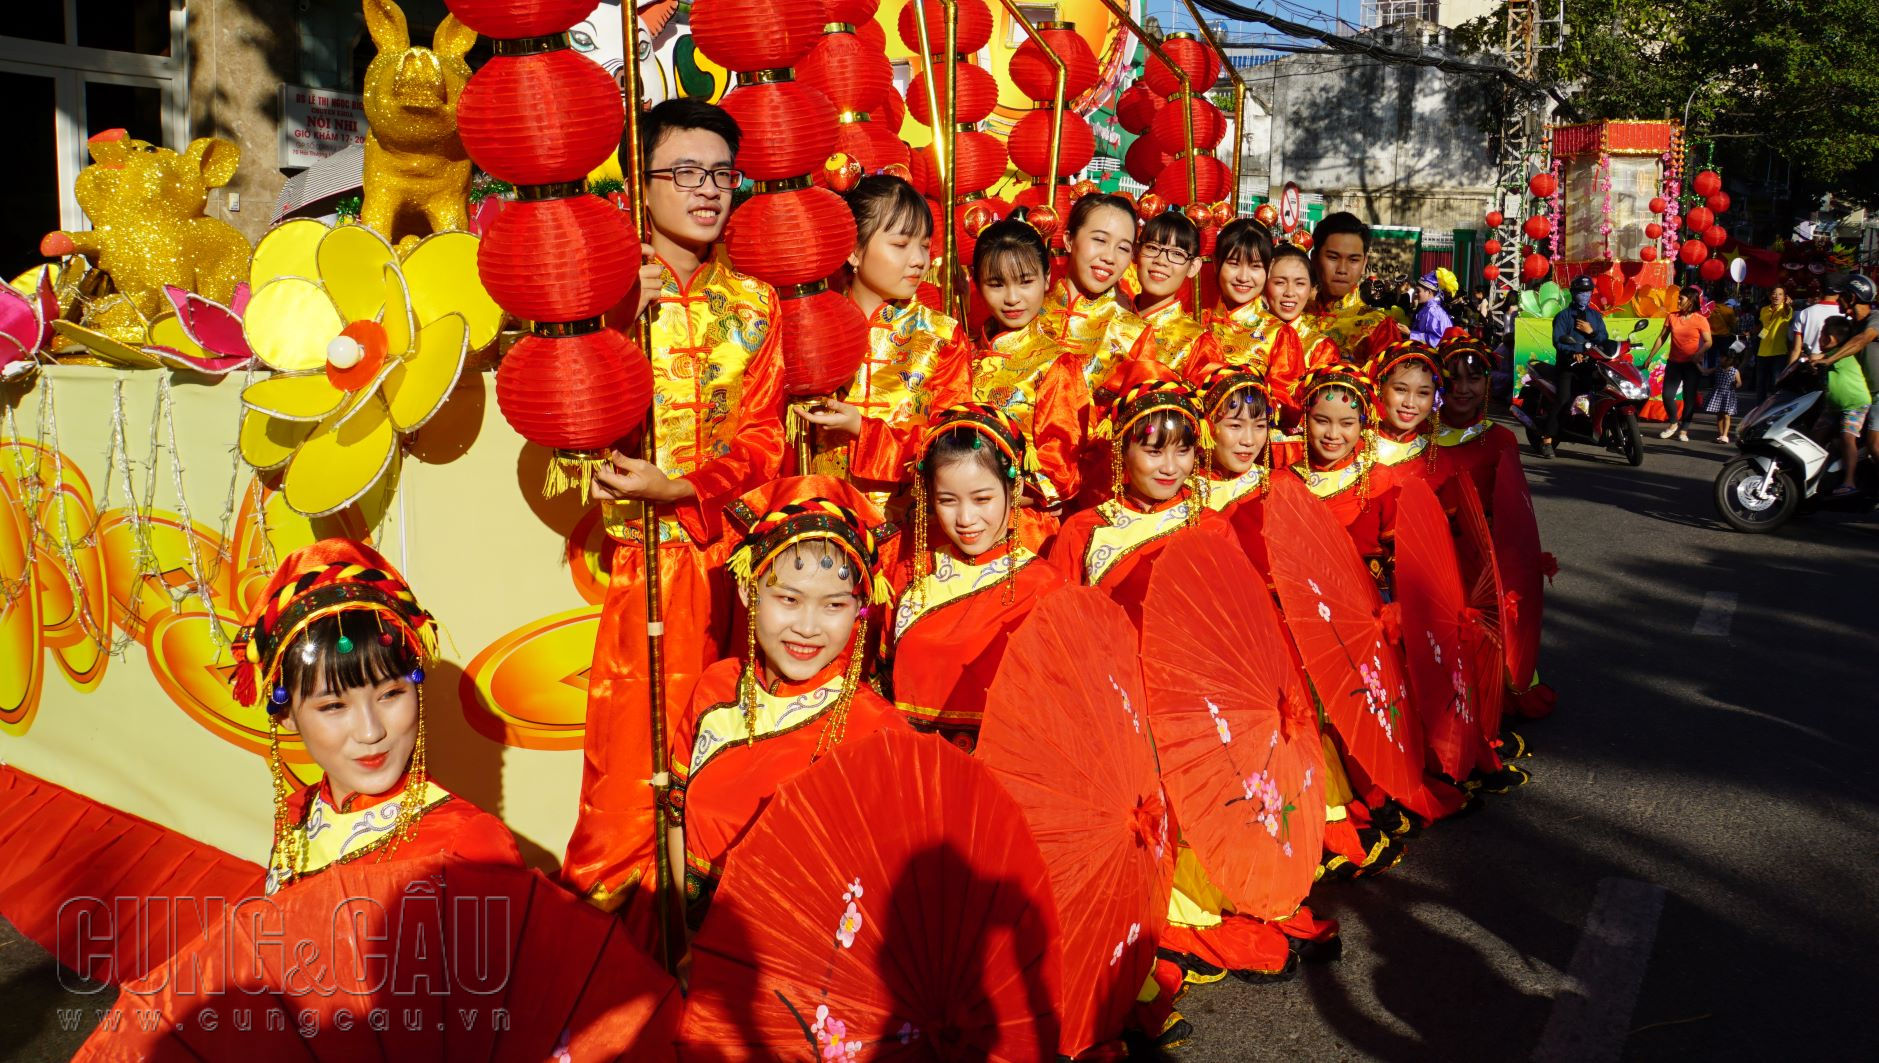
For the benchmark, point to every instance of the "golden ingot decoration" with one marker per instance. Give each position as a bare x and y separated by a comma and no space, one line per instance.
146,207
417,175
366,350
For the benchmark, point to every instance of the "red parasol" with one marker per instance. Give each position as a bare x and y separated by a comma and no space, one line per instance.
1064,732
423,959
1235,729
1517,551
1481,576
891,902
1335,616
1428,583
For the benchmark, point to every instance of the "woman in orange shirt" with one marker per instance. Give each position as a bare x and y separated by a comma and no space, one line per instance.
1688,333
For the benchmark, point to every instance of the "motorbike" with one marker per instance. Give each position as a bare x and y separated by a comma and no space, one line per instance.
1790,461
1606,412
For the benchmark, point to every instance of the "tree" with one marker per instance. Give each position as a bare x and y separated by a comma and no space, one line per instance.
1799,78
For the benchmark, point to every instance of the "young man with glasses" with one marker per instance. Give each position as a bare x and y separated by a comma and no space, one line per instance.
1166,260
717,373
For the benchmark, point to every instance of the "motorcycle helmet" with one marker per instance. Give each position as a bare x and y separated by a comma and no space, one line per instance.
1581,283
1859,288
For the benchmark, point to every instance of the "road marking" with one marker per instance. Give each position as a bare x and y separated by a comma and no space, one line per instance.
1717,614
1591,1016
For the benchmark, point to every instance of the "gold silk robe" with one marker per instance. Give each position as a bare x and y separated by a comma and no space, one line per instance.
1182,343
1100,333
1360,330
917,361
1027,373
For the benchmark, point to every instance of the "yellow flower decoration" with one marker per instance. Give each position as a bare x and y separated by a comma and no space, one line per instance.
366,349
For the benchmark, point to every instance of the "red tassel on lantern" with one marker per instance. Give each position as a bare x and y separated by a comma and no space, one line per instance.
1030,144
513,19
1136,108
540,119
580,392
790,238
978,94
756,34
974,32
1170,125
1213,179
559,259
1036,76
1194,58
828,337
788,128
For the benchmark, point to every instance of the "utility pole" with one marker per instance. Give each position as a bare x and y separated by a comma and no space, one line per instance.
1523,123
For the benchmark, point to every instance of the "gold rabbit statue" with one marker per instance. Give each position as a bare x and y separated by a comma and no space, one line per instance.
417,175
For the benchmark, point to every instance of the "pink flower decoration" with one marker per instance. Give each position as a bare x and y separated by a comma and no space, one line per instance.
202,336
26,325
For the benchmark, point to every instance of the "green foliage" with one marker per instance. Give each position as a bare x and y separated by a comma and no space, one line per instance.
606,186
349,207
1799,78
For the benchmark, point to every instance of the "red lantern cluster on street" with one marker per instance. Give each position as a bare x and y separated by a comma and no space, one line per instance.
1036,76
1693,252
1195,59
1184,176
541,116
1491,246
1658,204
1136,108
979,156
1170,125
1653,231
791,233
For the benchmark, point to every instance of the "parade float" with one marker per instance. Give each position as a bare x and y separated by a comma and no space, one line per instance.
181,408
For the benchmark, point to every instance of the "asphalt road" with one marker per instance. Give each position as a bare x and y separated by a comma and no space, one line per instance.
1689,876
1709,765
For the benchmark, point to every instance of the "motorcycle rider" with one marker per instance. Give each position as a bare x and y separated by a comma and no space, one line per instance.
1856,302
1575,329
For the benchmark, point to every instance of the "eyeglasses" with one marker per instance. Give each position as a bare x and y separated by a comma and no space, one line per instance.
1174,255
694,176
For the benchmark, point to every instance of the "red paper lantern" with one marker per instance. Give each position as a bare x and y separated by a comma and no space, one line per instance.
1718,202
1538,227
854,76
888,148
825,338
790,238
1713,269
978,94
1212,179
1699,218
1654,231
1692,252
1192,56
894,109
980,158
574,392
756,34
788,127
856,140
1488,273
854,12
1030,144
540,119
560,259
1543,185
1209,237
1136,107
1707,183
1491,247
1495,218
1648,253
513,19
1047,221
1036,76
1170,125
1144,160
1715,236
974,32
1150,205
1658,204
1533,267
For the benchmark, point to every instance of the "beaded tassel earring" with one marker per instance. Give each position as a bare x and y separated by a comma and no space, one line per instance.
747,683
1116,476
285,856
922,561
1009,593
1366,456
836,723
411,801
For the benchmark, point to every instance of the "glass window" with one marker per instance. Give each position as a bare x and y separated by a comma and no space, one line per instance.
32,182
37,20
141,26
137,109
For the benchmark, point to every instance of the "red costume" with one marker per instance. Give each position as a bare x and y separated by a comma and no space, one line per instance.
1411,452
717,372
748,730
1361,331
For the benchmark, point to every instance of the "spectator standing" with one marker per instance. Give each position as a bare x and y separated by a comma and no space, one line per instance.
1772,342
1805,331
1688,332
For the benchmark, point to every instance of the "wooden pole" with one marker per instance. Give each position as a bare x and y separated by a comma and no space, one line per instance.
632,147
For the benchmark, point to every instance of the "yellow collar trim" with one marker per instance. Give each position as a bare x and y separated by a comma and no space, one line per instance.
1127,531
328,836
952,580
724,726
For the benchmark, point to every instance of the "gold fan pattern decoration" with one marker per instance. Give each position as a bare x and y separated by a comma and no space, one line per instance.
365,347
